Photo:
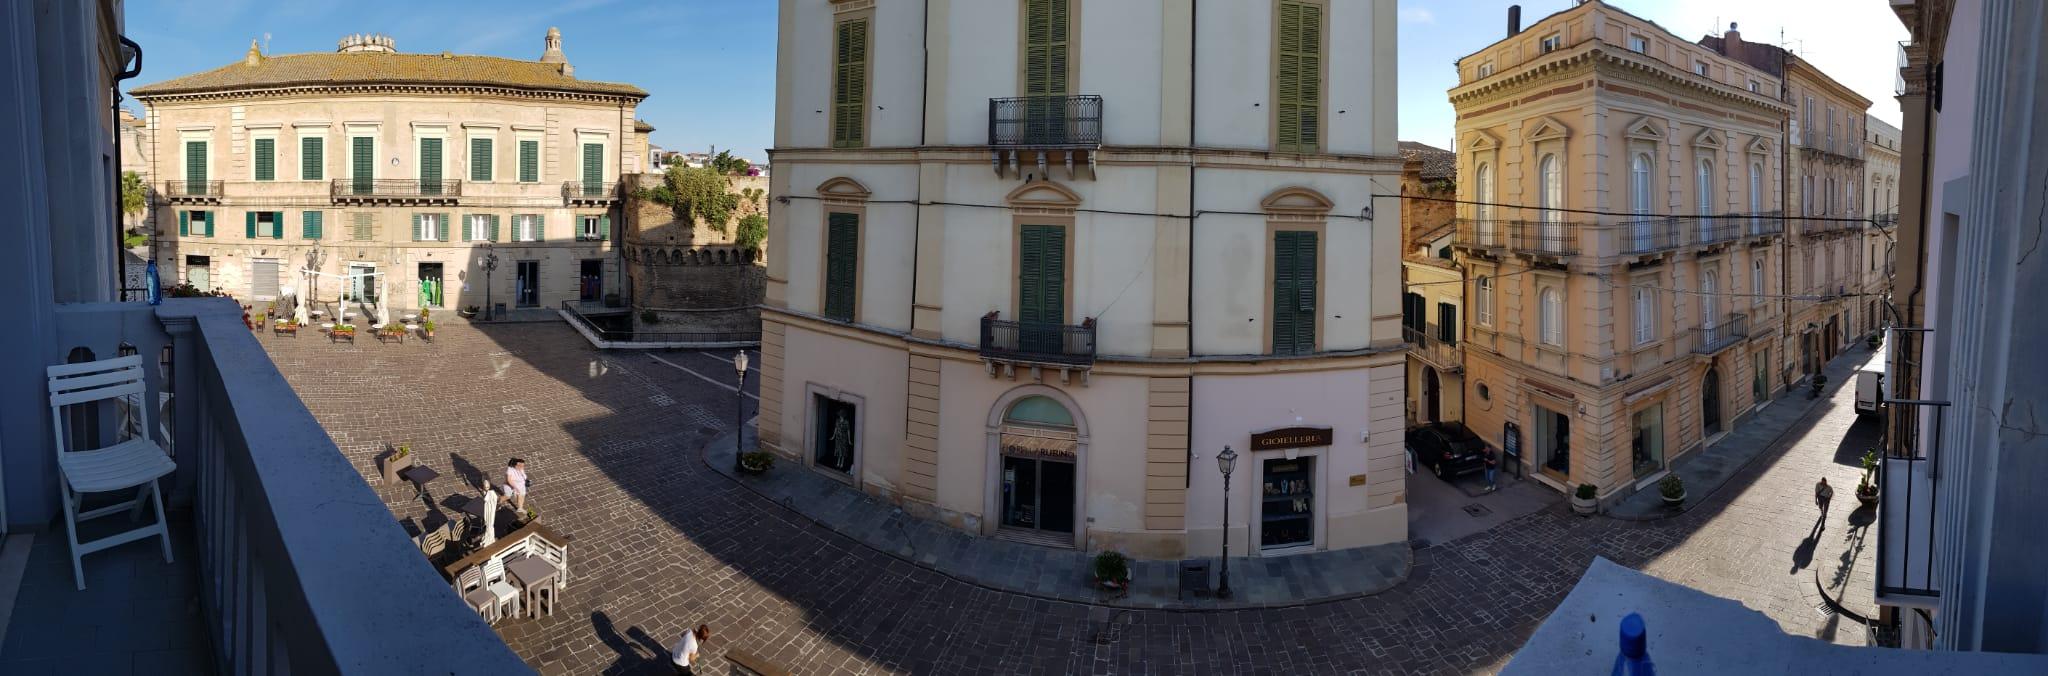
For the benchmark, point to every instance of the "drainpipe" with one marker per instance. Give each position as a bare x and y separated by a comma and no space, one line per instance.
1784,206
1194,84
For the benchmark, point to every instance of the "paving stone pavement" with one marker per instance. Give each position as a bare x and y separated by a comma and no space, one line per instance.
662,542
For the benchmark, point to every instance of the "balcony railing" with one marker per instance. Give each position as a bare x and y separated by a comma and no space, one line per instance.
1649,234
301,567
589,191
1718,333
1909,478
1551,238
1814,227
1427,344
1046,121
1767,223
395,189
186,190
1037,342
1725,228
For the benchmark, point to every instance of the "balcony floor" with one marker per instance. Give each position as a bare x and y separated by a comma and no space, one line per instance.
137,614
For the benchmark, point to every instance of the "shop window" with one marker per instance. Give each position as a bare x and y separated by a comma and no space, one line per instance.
834,424
1287,503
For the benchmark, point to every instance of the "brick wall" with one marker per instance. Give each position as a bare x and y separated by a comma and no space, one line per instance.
678,270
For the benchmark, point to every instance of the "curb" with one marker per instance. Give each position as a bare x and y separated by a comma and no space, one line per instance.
718,442
1835,603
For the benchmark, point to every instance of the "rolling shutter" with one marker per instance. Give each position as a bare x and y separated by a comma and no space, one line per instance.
1300,78
479,159
263,278
266,159
312,159
842,250
529,161
1294,292
850,84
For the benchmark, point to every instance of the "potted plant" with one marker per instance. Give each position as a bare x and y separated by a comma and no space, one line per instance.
1112,571
468,312
529,516
285,325
1583,499
1866,489
342,332
1874,340
756,462
426,326
397,462
1672,489
391,330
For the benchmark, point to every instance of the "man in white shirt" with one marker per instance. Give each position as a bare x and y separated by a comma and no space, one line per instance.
685,653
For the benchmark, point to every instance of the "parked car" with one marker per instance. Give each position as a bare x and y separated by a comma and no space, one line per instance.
1447,448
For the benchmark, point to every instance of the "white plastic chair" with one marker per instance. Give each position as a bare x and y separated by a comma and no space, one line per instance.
504,592
480,600
135,463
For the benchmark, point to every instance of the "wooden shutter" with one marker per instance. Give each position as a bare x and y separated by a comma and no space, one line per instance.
1294,292
208,215
277,225
266,159
604,227
842,255
1045,48
442,234
593,168
529,161
363,158
195,167
312,158
479,159
311,221
184,223
494,227
1299,66
416,227
468,232
249,219
1042,274
540,222
1447,323
430,166
850,84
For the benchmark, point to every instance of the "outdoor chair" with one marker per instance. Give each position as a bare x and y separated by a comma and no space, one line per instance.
504,593
481,601
136,463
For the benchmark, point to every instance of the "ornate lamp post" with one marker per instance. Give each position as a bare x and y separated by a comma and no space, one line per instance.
314,257
1225,463
490,264
739,398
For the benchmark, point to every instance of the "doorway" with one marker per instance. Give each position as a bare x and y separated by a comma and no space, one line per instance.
430,285
1432,407
526,284
1038,482
1287,503
590,281
199,272
1648,444
1553,437
362,282
837,430
1710,403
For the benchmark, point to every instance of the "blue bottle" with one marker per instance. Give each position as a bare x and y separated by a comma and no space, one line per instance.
154,285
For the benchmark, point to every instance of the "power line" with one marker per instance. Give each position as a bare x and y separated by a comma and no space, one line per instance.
1631,214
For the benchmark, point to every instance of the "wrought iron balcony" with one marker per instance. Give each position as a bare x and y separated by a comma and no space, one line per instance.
1909,478
192,191
589,192
1650,234
1718,333
397,190
1718,229
1812,227
1544,238
1427,344
1067,121
1037,342
1768,223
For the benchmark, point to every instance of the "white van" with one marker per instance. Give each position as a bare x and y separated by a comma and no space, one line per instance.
1870,382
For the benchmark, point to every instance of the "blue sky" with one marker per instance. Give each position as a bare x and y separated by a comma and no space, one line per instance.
709,65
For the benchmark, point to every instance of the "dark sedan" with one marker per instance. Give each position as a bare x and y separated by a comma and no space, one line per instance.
1447,448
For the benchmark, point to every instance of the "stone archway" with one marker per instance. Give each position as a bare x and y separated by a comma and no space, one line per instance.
1025,451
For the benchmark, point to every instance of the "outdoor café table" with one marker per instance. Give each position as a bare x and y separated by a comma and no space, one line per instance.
533,573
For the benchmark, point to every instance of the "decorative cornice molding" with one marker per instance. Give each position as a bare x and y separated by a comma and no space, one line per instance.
328,91
1604,60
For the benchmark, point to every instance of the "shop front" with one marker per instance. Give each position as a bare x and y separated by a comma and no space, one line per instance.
1288,466
1038,487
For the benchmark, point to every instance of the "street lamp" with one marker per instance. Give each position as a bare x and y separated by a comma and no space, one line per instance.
314,257
490,263
1225,463
739,397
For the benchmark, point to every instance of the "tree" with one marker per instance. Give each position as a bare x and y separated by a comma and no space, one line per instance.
696,194
133,198
753,230
724,163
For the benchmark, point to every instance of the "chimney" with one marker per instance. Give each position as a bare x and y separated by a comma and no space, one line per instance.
1731,42
253,56
1514,20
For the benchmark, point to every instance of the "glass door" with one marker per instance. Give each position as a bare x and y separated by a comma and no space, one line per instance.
526,285
430,285
1648,445
591,281
1287,503
1038,494
1553,436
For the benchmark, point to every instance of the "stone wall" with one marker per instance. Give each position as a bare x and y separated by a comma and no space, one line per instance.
691,275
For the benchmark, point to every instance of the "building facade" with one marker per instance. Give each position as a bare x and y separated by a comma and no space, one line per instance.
1030,273
1620,239
418,168
1881,182
1432,295
1828,249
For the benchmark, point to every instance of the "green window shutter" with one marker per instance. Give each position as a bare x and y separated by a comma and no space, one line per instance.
249,218
312,159
466,234
540,225
416,232
604,227
363,161
266,159
443,234
850,84
1294,292
529,161
593,168
1300,77
311,221
479,159
277,225
1045,48
195,167
184,223
430,166
209,222
1042,274
842,255
494,227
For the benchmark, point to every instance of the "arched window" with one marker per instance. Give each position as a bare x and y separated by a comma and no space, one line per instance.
1646,316
1482,295
1703,183
1756,185
1551,178
1639,200
1756,281
1553,317
1040,411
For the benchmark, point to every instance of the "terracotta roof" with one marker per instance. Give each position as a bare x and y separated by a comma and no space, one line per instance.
642,126
1436,162
297,70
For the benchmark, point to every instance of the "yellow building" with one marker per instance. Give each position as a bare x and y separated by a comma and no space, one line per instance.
1620,243
369,162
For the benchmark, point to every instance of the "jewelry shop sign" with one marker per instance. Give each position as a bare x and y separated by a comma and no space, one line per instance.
1292,437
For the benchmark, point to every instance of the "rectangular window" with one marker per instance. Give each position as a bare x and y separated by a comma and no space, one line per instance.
195,223
593,168
362,159
1299,79
1551,42
195,167
310,224
1699,67
365,227
1486,69
312,158
1483,297
1041,286
1447,323
1638,44
480,159
428,228
842,256
1288,509
526,228
430,166
594,227
529,161
266,159
1646,316
1755,86
1412,321
850,83
480,228
265,225
1648,445
1294,292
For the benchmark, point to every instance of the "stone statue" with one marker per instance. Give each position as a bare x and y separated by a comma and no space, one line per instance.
842,441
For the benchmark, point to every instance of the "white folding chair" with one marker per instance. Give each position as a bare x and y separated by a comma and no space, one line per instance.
134,463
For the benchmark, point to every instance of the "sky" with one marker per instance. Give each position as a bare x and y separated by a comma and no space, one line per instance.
708,65
1853,41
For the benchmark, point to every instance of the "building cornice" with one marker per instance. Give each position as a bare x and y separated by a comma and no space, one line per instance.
1600,59
1206,157
343,89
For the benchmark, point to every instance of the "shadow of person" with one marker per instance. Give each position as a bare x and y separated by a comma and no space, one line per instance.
471,476
1803,556
633,653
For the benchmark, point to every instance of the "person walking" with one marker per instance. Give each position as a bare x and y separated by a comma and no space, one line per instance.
1492,459
1822,495
684,655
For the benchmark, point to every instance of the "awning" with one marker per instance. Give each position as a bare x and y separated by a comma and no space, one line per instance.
1039,442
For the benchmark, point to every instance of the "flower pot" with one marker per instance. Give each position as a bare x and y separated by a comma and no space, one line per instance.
1112,584
1867,499
395,464
1584,505
1673,503
752,468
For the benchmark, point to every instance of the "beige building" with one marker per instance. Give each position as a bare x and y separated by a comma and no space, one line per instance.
369,162
1033,291
1432,298
1881,179
1827,255
1620,242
